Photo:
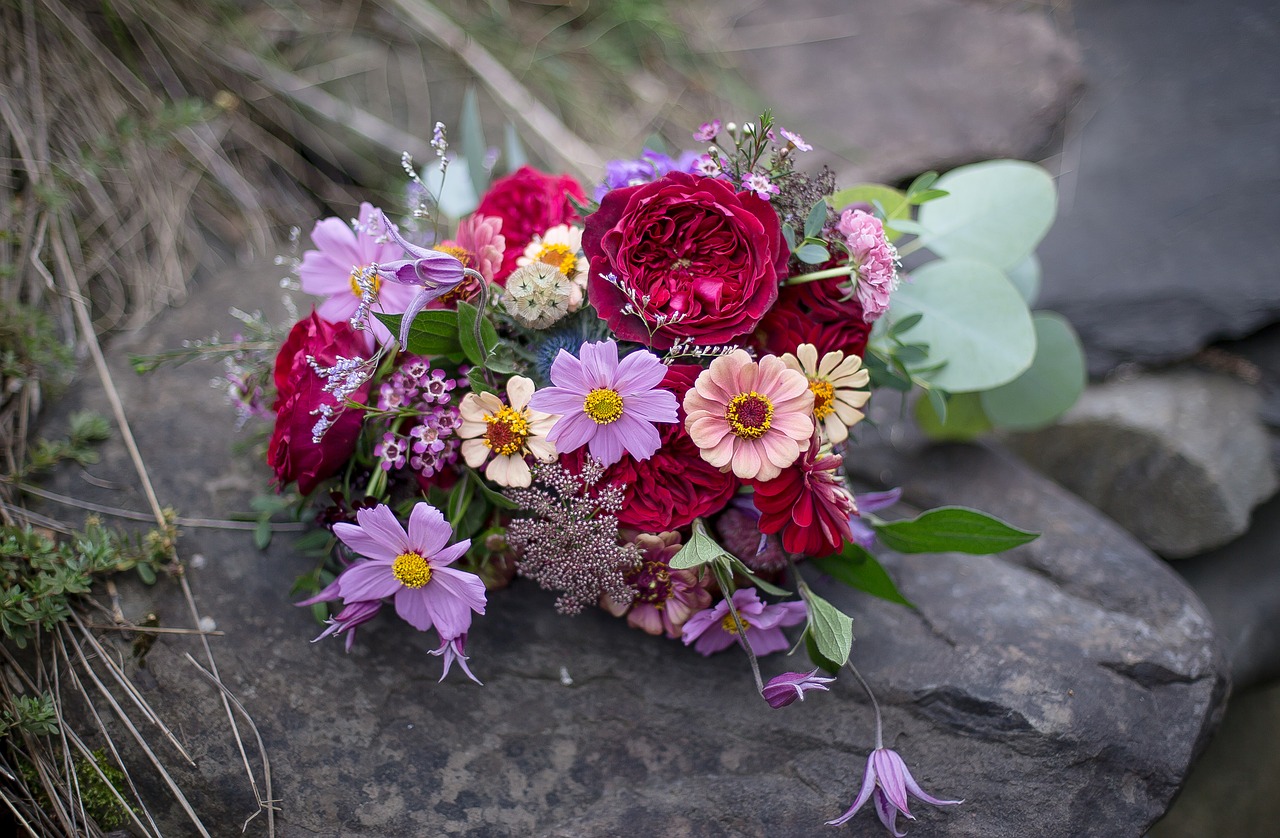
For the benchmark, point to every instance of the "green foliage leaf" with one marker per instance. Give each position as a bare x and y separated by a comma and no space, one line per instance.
1025,276
789,233
974,321
812,254
700,549
474,353
859,569
1049,387
452,187
815,655
494,498
431,333
515,156
767,587
891,202
262,534
952,529
831,628
964,418
471,138
817,219
997,211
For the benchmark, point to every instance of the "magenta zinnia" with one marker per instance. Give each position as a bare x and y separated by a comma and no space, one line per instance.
750,417
606,404
411,567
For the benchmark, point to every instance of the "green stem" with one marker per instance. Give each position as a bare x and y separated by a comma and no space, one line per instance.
847,270
725,578
875,705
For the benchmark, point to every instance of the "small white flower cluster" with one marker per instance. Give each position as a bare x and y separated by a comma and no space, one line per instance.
685,348
341,380
537,295
638,305
360,320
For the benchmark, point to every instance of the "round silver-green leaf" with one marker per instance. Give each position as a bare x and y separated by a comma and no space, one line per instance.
1049,387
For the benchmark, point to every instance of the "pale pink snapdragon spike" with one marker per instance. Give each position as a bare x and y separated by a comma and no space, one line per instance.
433,272
786,688
887,782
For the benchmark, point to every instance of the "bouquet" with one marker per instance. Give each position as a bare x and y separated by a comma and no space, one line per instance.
642,398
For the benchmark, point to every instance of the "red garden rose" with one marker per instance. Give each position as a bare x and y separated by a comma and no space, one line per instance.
299,392
675,485
700,252
529,203
814,312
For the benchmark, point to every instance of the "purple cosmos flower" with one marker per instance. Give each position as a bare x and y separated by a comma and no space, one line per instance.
714,629
784,689
454,649
344,252
434,272
863,534
412,568
707,131
609,405
887,782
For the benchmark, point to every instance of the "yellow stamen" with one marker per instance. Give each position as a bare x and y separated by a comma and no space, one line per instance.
730,626
603,405
558,256
375,282
823,397
460,253
749,415
411,569
506,433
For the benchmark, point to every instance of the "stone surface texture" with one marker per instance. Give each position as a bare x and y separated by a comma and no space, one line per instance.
887,90
1179,458
1165,236
1062,689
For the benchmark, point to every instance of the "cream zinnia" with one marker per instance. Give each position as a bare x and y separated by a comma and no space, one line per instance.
509,432
837,383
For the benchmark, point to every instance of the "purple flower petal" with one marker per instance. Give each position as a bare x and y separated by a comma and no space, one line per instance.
412,606
365,543
864,794
450,554
639,438
875,501
568,372
367,581
652,406
443,600
887,814
334,238
572,431
639,372
380,524
890,769
600,361
428,531
556,400
606,444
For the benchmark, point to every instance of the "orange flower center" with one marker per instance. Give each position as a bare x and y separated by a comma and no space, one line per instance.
749,414
411,569
506,432
558,256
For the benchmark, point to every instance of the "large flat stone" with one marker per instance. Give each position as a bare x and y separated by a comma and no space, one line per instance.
1062,688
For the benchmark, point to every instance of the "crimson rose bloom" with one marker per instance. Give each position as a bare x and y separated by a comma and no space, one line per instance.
292,454
813,312
675,485
529,203
700,252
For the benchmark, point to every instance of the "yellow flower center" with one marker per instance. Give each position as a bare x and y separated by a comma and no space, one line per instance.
749,414
411,569
506,433
558,256
460,253
375,282
730,626
823,397
603,405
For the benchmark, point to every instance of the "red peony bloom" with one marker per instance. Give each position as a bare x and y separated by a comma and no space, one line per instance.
675,485
299,392
813,312
529,203
808,503
707,258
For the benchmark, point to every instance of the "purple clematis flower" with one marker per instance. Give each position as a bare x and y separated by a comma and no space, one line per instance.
609,405
713,630
412,568
863,534
434,272
784,689
887,782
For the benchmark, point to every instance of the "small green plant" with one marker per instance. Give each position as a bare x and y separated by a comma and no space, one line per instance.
31,714
99,789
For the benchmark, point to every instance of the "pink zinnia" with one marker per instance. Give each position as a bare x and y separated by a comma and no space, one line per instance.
479,244
345,251
412,568
876,260
606,404
714,630
751,417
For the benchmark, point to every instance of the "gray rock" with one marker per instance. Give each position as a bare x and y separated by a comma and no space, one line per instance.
1177,458
890,89
1164,239
1061,689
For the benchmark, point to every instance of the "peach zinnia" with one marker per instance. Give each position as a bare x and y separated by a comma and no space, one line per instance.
748,416
509,432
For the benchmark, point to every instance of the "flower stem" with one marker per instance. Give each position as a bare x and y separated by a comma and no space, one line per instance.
847,270
875,705
725,579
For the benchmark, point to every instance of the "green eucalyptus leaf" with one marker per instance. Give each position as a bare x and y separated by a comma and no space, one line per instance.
1025,276
832,629
262,534
901,327
817,219
892,202
1050,387
974,321
789,233
859,569
963,419
431,333
952,529
922,183
452,188
812,254
997,211
938,401
514,149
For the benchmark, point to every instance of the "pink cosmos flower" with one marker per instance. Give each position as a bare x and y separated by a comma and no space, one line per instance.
796,140
887,781
352,614
784,689
750,417
412,568
609,405
876,260
714,629
344,252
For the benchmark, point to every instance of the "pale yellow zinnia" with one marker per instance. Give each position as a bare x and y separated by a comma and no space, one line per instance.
839,389
509,432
